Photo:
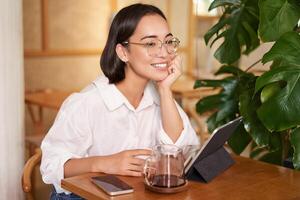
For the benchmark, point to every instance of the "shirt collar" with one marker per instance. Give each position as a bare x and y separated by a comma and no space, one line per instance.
113,98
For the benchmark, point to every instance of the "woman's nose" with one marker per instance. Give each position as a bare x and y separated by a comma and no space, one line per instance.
163,52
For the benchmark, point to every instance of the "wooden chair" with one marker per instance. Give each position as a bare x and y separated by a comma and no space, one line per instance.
34,139
28,176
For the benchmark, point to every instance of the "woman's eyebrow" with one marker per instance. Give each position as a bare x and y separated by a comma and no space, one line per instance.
169,34
148,36
155,36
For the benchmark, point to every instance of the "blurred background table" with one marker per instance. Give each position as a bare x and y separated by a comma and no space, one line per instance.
41,99
46,98
187,97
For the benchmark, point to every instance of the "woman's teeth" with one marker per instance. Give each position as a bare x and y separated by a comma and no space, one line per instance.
161,65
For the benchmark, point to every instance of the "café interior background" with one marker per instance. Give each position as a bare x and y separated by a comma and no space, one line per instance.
62,44
63,41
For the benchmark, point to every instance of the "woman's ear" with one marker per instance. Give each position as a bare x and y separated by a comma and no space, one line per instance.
121,52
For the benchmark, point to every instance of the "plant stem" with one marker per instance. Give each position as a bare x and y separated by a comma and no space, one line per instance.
253,65
285,135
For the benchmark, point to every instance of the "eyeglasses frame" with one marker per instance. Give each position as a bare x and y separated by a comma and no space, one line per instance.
161,44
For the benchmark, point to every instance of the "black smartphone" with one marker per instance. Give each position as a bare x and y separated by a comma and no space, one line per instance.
112,185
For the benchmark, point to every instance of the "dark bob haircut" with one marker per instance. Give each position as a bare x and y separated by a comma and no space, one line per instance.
122,27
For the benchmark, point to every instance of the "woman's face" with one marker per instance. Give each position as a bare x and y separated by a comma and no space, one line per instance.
142,62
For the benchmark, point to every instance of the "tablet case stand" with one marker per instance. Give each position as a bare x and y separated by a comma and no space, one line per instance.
210,166
214,159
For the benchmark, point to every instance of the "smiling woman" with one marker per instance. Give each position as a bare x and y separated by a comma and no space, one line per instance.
119,117
154,62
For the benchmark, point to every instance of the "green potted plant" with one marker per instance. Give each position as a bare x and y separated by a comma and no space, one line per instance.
270,103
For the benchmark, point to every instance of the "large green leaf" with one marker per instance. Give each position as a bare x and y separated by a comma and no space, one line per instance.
217,3
208,83
228,69
215,29
272,153
252,124
277,17
238,26
227,83
227,109
285,50
257,151
208,103
274,157
275,150
218,101
281,111
295,142
239,140
224,104
212,124
268,144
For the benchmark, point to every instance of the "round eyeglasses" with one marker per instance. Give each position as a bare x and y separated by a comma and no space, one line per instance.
154,45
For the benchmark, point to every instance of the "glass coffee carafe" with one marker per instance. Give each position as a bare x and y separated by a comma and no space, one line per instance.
165,167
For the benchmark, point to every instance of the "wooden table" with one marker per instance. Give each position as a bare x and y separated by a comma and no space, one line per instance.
246,179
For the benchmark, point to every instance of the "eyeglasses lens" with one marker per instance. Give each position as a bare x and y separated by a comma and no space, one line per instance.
154,47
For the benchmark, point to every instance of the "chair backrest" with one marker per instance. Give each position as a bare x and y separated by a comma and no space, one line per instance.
27,182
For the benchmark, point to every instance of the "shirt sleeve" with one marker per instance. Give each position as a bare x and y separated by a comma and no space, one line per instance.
187,136
69,137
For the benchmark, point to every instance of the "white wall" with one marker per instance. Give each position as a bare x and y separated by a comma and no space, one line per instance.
11,100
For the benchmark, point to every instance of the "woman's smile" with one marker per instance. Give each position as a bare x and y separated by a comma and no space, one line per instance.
160,66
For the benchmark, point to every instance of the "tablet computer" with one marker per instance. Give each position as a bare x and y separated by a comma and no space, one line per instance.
217,139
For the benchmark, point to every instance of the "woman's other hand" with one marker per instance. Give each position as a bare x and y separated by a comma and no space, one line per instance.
123,163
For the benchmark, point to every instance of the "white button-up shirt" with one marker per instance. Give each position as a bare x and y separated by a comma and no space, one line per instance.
100,121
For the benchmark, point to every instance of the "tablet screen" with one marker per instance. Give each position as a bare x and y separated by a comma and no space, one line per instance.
217,139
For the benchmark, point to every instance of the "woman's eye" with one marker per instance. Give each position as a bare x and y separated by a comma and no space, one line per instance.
150,44
170,42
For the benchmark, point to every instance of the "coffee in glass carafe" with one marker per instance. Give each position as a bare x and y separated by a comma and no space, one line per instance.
165,167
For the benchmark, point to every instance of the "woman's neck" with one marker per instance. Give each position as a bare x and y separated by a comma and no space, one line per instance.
133,89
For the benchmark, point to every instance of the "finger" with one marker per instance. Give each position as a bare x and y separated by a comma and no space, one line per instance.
136,152
176,69
171,70
178,62
133,173
137,161
172,61
136,168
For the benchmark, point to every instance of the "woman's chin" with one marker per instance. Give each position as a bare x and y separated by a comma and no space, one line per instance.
160,77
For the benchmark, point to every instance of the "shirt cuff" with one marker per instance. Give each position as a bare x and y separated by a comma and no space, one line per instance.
187,135
180,142
57,171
